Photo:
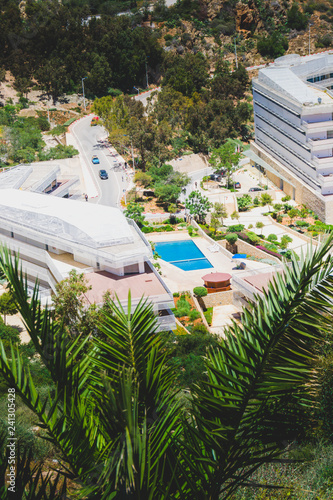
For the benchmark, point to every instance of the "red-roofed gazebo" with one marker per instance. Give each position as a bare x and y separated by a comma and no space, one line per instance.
217,282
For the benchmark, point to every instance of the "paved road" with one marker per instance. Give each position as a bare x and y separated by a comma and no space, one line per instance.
143,97
110,190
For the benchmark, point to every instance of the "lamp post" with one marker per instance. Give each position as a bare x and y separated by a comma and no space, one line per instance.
310,24
147,84
137,90
236,55
84,100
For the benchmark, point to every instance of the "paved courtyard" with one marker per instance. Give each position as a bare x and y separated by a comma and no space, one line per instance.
178,280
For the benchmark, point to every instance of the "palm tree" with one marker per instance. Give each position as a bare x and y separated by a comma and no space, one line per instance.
114,414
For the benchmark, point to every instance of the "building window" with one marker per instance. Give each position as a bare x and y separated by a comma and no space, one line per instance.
330,134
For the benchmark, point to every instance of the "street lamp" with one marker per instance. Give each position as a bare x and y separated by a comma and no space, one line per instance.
137,90
84,101
310,24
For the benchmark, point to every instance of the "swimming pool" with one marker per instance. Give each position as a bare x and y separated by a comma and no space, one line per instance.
183,254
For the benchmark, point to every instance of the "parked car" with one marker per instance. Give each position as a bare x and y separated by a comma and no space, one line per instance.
103,174
237,185
95,160
215,177
251,190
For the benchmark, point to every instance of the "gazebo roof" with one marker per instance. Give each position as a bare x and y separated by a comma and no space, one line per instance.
216,277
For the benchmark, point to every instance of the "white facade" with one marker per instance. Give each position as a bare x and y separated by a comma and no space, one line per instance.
293,115
55,235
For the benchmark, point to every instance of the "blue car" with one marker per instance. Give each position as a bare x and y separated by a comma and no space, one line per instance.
95,160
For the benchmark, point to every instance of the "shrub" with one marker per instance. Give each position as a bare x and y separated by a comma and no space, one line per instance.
272,237
250,226
231,238
296,20
200,291
147,229
236,228
273,46
286,198
278,206
289,254
256,201
209,315
176,294
194,314
253,237
199,328
302,223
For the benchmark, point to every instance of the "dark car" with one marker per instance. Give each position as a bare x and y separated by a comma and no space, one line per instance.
103,174
215,177
237,185
251,190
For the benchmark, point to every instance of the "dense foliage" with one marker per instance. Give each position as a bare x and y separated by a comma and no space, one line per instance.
56,44
118,419
22,140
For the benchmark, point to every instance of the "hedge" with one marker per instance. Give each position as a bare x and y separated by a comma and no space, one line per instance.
270,252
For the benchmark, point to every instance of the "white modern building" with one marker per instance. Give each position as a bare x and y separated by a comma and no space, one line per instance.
293,115
53,235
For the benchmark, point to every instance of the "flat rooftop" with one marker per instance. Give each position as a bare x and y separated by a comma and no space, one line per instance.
146,284
289,75
92,225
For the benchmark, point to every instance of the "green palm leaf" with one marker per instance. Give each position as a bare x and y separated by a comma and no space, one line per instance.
260,369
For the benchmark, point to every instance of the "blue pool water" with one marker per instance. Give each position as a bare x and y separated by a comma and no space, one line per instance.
183,254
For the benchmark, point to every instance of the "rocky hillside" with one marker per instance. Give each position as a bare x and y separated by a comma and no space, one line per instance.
213,26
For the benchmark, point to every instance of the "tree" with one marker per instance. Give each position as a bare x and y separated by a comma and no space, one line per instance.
266,199
143,179
71,308
273,45
225,157
285,240
235,215
220,212
293,212
260,225
258,390
7,305
8,336
198,205
296,20
134,211
167,193
244,202
214,222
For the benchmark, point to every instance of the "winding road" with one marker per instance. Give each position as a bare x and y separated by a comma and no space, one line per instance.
91,141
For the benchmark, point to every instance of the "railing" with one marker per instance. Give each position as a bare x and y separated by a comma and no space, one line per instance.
319,143
140,233
44,182
316,125
325,160
59,191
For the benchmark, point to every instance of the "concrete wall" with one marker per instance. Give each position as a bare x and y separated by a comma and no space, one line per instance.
217,299
304,194
243,247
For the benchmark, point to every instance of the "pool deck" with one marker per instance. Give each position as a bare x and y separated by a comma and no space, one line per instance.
178,280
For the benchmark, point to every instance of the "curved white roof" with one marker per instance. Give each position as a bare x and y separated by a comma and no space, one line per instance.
87,223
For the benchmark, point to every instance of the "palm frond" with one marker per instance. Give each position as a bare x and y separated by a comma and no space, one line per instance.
260,369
